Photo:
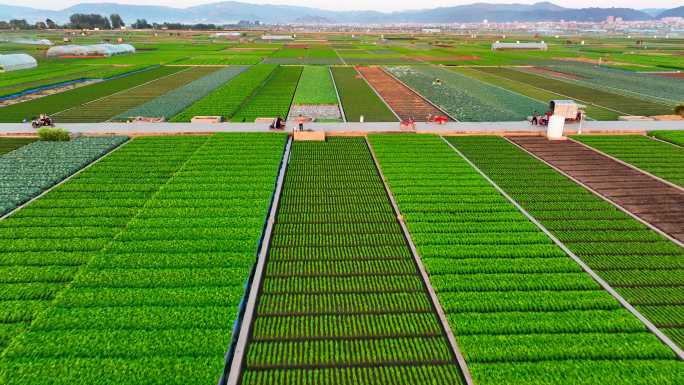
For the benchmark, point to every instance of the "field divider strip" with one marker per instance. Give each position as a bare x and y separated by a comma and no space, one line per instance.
631,166
419,94
456,351
377,93
337,92
289,106
595,192
650,326
65,180
343,62
117,93
238,360
664,141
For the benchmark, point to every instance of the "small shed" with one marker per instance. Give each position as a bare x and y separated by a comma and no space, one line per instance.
18,61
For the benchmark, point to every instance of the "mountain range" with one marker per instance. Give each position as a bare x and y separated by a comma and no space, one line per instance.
231,11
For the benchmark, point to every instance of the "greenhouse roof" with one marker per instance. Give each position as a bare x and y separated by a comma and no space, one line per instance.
17,61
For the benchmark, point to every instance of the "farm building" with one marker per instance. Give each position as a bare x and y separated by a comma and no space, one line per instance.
541,46
19,61
90,50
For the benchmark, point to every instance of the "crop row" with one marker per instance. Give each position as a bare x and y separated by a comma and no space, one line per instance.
73,98
358,99
493,286
660,159
344,292
144,297
623,104
29,170
273,99
227,99
638,258
174,102
465,98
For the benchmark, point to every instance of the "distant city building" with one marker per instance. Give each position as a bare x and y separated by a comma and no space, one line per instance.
432,30
610,19
541,46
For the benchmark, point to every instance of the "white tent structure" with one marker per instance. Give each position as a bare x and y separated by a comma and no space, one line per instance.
18,61
90,50
20,40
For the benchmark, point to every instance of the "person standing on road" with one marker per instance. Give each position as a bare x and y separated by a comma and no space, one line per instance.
300,121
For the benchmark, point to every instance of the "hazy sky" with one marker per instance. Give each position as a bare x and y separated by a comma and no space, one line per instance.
380,5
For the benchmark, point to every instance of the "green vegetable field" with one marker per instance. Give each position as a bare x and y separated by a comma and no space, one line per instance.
154,291
153,250
644,267
104,109
226,100
29,170
358,99
621,104
519,306
660,159
174,102
273,99
76,97
467,99
341,299
315,87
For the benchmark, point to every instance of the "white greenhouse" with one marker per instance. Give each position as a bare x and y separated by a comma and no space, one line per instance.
90,50
541,46
18,61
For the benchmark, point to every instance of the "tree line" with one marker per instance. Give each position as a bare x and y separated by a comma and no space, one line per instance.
92,21
76,21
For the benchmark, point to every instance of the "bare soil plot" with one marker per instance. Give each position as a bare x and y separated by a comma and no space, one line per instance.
650,199
404,101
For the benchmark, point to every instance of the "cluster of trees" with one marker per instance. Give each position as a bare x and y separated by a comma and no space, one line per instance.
91,21
76,21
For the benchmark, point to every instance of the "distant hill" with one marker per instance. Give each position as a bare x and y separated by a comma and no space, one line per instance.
675,12
231,11
653,11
